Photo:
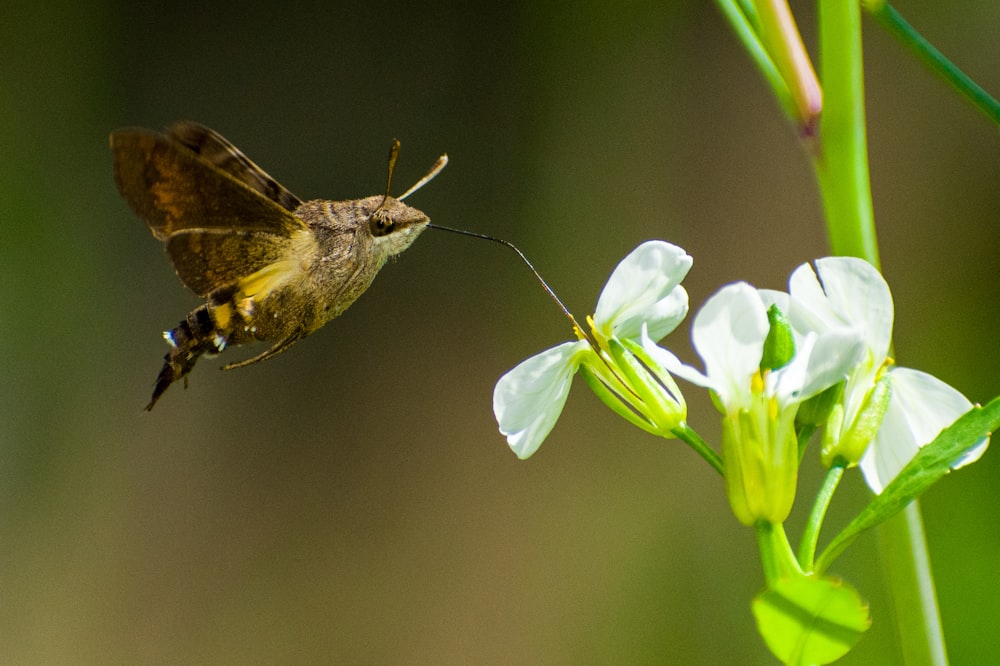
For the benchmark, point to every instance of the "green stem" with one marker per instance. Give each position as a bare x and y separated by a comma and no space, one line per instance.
684,433
893,23
907,569
746,32
776,555
810,536
841,163
842,171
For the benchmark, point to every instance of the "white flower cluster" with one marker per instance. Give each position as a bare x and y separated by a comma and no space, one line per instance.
840,320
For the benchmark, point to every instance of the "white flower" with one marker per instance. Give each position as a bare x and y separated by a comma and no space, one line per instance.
729,333
642,294
759,444
849,293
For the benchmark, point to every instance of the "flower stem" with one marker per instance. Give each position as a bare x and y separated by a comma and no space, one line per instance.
744,27
907,568
893,23
684,433
810,536
776,555
842,171
841,163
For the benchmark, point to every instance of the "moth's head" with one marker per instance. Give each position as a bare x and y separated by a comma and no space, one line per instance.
394,225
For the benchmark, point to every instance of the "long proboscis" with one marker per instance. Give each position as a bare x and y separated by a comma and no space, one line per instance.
545,285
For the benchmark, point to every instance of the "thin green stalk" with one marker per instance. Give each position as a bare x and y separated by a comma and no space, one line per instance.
810,536
776,557
746,32
893,23
694,440
842,171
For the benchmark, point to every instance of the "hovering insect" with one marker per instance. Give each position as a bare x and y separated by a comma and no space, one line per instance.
270,266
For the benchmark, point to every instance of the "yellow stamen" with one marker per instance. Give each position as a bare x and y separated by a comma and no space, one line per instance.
885,367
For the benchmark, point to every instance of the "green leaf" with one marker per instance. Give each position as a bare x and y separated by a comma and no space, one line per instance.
807,620
927,467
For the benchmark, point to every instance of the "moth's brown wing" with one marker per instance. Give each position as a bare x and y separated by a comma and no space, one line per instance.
214,148
208,259
173,188
217,229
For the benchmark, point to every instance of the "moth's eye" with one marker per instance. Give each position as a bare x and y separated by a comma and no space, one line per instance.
381,224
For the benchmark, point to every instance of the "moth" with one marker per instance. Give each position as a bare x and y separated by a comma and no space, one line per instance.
270,267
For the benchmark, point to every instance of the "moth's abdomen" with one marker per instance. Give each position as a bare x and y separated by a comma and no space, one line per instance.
194,336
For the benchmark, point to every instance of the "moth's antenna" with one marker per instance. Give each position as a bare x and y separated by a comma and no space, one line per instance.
544,284
435,170
393,156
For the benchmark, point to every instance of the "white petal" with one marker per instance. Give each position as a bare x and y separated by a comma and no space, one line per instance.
788,381
645,287
858,290
527,400
921,406
809,309
772,297
728,333
820,362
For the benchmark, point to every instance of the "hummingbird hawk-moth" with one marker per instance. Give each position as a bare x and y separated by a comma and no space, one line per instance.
270,267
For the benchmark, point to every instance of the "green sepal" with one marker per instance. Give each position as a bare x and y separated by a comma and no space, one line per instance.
855,440
615,401
661,404
831,433
760,455
637,380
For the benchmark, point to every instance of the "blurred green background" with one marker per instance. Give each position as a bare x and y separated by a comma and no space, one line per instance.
352,501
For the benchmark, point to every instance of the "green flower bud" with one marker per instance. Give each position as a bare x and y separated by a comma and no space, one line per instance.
779,346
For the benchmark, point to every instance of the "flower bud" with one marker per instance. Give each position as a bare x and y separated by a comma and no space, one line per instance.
779,346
